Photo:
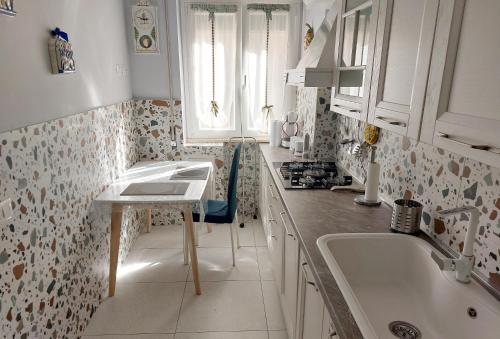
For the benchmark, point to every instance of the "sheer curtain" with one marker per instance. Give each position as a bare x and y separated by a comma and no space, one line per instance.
256,121
200,120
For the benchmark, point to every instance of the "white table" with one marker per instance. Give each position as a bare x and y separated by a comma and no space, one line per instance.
156,172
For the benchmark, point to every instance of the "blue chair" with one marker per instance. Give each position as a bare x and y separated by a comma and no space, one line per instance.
225,212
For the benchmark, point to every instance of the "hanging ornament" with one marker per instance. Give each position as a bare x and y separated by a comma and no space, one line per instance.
309,36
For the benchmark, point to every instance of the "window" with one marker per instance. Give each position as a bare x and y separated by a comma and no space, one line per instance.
234,55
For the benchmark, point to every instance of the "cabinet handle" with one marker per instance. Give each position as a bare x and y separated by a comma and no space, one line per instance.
391,121
486,148
332,334
347,108
271,191
271,216
306,276
290,234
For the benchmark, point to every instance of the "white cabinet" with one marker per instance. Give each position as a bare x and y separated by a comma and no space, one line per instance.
403,47
356,28
462,110
263,201
311,305
275,239
290,274
329,331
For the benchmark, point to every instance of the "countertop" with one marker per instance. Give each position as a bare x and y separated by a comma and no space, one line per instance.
318,212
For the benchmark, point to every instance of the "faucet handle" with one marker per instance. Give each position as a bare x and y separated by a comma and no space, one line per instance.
463,209
444,264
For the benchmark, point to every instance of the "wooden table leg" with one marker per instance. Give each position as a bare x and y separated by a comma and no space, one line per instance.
114,245
188,220
148,220
210,227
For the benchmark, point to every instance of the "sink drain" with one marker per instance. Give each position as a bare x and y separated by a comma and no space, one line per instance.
404,330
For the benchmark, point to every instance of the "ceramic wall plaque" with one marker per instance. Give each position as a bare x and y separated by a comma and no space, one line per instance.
145,28
61,53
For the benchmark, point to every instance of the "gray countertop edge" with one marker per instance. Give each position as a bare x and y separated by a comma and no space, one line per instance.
310,227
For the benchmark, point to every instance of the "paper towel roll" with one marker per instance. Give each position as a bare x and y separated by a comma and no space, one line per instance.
275,132
372,181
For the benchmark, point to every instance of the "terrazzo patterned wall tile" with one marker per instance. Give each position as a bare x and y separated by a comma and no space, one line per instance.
53,253
439,180
155,121
315,118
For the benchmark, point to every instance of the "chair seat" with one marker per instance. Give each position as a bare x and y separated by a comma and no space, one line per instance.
216,213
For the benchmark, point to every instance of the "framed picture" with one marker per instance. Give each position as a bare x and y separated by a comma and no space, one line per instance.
145,28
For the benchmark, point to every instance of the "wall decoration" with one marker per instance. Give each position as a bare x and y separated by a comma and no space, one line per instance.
145,22
61,53
308,38
7,7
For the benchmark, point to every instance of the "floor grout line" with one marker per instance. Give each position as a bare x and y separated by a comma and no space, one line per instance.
260,282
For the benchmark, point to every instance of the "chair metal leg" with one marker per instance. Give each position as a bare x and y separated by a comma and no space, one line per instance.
232,243
237,227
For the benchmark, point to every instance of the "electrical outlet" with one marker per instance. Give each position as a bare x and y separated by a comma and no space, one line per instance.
6,210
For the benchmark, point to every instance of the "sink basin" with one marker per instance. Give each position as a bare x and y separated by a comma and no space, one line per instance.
388,278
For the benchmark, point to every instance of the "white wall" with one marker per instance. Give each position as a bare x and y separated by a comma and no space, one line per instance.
150,78
29,92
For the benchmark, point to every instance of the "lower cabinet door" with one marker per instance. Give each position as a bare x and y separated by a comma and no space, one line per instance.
310,313
290,275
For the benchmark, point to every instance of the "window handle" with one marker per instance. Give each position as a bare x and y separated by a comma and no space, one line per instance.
244,85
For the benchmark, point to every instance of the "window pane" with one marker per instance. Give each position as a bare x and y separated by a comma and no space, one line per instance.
256,64
199,58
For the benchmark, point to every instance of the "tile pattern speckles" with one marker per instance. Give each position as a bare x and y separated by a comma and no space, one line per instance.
439,180
155,121
315,118
53,255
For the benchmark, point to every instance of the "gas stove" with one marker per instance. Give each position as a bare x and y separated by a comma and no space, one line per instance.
309,175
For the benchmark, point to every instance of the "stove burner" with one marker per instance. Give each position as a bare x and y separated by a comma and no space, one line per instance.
308,174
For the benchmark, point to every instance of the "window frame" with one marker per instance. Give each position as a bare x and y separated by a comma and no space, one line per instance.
241,128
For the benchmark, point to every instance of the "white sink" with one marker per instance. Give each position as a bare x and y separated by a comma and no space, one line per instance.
391,277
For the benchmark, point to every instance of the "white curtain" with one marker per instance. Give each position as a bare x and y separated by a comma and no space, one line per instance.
255,68
199,66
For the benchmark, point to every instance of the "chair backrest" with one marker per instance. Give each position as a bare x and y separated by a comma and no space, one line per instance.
233,182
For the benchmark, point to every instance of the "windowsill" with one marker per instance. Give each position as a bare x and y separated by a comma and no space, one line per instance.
220,142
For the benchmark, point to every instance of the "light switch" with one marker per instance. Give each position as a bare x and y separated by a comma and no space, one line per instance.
6,210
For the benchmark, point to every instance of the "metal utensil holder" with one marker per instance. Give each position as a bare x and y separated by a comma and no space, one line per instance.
406,215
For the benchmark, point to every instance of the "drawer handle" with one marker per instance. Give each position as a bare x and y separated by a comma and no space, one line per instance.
391,121
332,334
271,216
271,191
306,276
347,108
462,143
290,234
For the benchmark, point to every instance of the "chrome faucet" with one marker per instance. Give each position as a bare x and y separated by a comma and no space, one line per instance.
465,263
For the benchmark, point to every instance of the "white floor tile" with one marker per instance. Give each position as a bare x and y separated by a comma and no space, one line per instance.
161,237
278,335
265,267
131,336
216,264
260,237
221,236
223,306
274,315
139,308
223,335
154,265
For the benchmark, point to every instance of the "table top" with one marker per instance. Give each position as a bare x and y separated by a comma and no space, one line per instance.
157,172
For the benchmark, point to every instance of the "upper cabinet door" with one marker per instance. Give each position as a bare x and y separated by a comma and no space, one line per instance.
462,111
401,63
356,28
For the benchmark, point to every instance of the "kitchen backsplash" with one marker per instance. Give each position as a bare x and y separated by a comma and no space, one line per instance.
437,178
313,108
155,120
54,253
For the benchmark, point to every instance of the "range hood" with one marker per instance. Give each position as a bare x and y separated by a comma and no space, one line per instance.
315,68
